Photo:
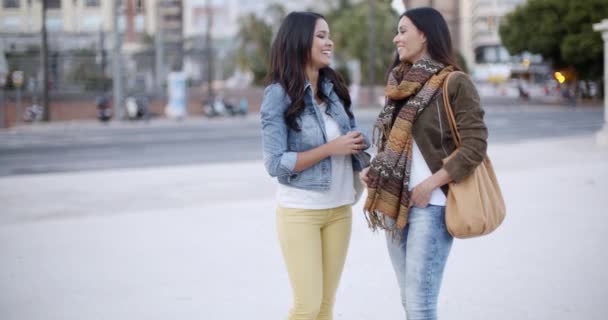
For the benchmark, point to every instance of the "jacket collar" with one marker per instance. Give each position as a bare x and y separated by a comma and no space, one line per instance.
326,86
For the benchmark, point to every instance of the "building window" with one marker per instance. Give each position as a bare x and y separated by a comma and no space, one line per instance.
54,23
139,23
492,54
91,3
10,23
139,6
91,23
53,4
10,4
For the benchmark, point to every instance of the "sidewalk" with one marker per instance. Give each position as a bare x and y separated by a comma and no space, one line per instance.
199,242
158,122
491,103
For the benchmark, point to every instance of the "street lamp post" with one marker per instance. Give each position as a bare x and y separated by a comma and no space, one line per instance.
209,55
3,74
602,135
2,112
371,50
159,46
46,115
117,63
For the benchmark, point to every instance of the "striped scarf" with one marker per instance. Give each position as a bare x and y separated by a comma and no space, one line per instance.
413,87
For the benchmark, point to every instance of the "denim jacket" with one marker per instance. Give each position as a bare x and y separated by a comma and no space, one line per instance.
281,144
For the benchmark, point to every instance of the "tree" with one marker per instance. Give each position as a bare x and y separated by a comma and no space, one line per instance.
582,47
348,24
560,31
255,40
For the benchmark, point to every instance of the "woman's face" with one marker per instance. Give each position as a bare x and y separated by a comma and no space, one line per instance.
320,53
410,42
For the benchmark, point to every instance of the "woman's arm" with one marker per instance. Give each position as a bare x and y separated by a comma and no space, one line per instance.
473,134
278,160
471,126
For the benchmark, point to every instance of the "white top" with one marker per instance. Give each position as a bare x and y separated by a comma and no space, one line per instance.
341,190
419,172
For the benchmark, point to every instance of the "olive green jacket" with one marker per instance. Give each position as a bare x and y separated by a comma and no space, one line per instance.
433,136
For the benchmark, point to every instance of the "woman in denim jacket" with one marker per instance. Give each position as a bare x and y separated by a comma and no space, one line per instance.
312,145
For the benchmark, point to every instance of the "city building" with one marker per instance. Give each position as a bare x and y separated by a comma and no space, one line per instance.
491,60
88,26
72,24
450,9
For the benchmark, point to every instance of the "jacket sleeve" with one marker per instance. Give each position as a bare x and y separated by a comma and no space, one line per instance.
362,156
278,160
355,127
469,121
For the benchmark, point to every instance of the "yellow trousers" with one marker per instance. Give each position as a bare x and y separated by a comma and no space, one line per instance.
314,245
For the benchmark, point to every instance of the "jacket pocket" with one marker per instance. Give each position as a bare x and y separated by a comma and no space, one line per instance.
311,135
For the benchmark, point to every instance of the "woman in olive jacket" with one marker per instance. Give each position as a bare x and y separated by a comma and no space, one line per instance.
407,180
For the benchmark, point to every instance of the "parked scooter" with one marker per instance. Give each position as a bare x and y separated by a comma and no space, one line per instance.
522,89
234,110
222,107
104,111
137,108
33,113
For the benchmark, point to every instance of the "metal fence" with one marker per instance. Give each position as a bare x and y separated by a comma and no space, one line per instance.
87,72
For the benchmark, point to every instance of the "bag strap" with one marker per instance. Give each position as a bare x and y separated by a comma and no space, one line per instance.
448,109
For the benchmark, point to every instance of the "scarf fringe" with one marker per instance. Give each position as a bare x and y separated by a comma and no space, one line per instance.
376,220
379,135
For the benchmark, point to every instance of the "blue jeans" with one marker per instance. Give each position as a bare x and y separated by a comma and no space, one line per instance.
419,258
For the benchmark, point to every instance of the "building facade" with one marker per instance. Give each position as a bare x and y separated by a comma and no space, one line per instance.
486,16
72,24
450,9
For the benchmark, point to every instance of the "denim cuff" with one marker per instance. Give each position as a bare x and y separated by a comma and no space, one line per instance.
288,161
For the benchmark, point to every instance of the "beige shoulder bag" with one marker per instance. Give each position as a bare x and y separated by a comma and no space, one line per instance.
475,205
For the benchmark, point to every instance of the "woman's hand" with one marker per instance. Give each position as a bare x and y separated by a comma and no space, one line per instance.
350,143
421,194
363,175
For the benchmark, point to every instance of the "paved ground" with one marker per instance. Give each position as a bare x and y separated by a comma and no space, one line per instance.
199,242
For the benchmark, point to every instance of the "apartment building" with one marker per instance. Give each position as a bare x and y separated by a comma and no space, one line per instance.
73,24
450,9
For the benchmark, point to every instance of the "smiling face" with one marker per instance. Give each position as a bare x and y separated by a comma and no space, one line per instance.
410,42
322,46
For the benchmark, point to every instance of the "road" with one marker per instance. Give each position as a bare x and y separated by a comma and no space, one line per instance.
93,146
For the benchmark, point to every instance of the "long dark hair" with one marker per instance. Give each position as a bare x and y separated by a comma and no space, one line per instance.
289,56
439,43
